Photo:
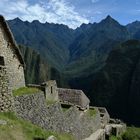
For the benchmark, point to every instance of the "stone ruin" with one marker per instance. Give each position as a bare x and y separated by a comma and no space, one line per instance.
33,107
77,98
11,66
50,88
5,91
73,96
63,95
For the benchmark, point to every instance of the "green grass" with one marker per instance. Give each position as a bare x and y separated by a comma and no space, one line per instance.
25,90
92,112
50,102
18,129
132,133
65,109
114,138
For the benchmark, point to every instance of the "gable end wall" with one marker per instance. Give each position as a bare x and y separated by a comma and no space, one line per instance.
15,71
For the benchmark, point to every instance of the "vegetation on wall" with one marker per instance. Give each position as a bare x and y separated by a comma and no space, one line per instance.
18,129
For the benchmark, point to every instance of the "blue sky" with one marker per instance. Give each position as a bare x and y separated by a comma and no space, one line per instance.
71,12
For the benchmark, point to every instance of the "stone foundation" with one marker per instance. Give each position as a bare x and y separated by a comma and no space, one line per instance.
53,117
5,92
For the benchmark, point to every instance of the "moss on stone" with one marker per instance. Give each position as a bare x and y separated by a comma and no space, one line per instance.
50,102
65,107
92,112
25,90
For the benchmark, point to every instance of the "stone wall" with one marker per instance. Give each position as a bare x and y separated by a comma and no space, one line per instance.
105,118
14,69
73,96
51,90
53,117
115,129
5,92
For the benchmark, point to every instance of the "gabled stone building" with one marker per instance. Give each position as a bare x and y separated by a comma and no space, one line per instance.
11,67
64,95
73,96
10,57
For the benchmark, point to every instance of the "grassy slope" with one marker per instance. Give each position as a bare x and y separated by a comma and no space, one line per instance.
17,129
113,138
132,133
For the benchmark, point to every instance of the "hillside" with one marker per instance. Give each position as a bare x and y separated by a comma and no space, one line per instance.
24,130
65,48
116,85
37,70
50,40
134,29
74,53
91,47
88,58
19,129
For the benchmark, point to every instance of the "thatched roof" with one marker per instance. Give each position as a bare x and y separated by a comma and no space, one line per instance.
11,39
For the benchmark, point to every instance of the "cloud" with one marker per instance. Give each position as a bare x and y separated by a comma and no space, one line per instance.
56,11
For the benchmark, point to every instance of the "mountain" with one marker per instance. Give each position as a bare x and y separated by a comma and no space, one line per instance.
37,70
91,57
134,29
116,85
65,48
50,40
94,43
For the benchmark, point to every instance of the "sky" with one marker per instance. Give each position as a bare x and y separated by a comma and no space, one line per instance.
71,12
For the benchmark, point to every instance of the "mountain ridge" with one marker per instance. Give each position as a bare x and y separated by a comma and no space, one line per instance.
64,48
78,58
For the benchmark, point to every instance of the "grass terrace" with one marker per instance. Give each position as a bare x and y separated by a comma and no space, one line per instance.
25,90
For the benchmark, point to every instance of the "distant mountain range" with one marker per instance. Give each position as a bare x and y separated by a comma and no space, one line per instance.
97,58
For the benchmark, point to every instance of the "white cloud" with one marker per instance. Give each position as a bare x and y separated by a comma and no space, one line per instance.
56,11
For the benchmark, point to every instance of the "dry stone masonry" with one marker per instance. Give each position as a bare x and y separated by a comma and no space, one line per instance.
51,90
11,57
52,117
73,96
6,94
